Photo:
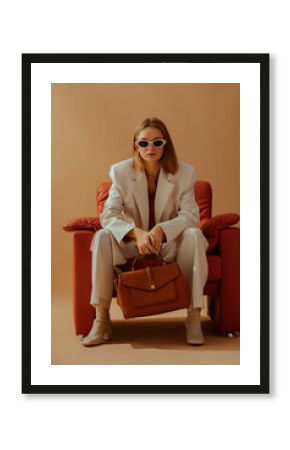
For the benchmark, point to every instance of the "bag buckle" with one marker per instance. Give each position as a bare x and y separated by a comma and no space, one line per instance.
150,278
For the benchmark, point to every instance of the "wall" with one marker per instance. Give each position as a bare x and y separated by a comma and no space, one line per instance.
92,127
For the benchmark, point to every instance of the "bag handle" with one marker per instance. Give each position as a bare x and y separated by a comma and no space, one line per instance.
149,257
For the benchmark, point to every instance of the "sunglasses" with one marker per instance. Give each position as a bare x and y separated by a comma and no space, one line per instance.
157,143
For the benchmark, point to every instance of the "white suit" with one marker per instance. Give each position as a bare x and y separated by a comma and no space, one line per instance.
127,207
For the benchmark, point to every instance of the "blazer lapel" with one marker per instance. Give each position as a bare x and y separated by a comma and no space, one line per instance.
163,192
140,193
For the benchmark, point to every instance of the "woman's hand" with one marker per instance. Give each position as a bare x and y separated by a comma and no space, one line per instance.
156,237
144,241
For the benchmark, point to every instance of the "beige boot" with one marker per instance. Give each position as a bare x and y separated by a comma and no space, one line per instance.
193,327
101,329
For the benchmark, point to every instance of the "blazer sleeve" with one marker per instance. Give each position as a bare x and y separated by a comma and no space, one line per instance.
188,210
112,217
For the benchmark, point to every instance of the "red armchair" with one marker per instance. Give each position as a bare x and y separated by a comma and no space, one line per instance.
223,255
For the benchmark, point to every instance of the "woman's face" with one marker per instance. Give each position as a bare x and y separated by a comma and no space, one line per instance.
150,152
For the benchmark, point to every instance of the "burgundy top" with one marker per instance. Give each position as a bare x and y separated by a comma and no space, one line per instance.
151,198
151,209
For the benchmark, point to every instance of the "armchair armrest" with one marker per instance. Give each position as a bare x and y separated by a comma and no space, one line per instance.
83,223
225,306
230,283
212,227
209,227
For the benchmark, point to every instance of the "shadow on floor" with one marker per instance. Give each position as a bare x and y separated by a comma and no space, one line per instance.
166,334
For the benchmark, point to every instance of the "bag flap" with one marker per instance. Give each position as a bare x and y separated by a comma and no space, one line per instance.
158,277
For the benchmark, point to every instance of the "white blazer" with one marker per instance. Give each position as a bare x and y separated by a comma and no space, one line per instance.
127,205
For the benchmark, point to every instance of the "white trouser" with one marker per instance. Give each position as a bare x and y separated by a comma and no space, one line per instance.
189,250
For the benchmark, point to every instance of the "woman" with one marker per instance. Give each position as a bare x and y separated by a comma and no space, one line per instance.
150,209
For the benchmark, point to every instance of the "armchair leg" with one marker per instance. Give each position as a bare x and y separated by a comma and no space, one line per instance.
229,334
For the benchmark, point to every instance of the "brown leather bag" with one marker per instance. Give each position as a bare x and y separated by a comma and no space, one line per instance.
151,290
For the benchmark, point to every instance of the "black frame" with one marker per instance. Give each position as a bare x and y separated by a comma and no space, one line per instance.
27,60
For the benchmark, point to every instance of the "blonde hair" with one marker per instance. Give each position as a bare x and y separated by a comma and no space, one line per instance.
169,159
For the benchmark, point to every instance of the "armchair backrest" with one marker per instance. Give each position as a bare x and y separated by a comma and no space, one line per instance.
202,191
102,194
203,197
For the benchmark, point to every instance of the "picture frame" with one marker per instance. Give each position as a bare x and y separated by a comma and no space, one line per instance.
252,72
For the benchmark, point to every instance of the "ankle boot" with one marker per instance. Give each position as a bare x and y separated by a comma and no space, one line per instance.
101,329
193,327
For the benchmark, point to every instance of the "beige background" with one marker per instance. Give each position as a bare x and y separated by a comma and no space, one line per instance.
92,127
